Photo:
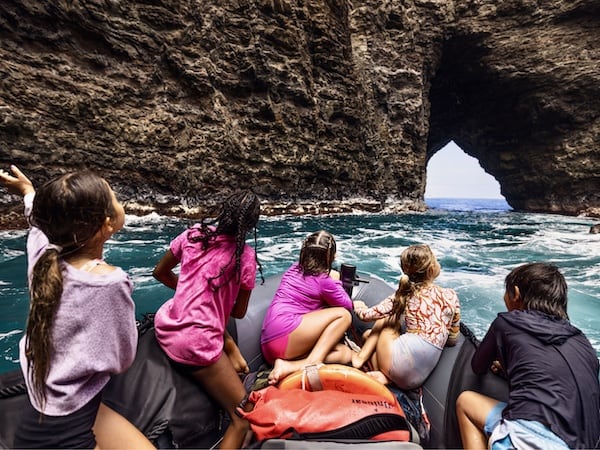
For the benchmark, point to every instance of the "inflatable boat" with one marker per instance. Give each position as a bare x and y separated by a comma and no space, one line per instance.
174,412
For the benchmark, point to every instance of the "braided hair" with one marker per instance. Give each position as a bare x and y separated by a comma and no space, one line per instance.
69,210
318,253
416,262
238,214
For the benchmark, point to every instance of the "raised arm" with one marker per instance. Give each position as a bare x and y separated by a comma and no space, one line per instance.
163,271
17,183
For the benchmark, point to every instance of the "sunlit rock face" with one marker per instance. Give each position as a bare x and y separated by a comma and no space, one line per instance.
320,106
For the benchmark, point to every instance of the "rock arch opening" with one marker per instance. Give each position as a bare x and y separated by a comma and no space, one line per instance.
451,173
526,119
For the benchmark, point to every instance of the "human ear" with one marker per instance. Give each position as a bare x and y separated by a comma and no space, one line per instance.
107,226
517,295
514,300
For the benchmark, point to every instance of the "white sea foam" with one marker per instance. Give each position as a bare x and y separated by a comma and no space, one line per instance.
10,333
476,251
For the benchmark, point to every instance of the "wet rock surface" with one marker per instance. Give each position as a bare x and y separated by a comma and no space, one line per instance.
314,104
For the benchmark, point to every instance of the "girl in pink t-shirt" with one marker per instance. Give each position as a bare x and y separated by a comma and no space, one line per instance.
309,313
217,274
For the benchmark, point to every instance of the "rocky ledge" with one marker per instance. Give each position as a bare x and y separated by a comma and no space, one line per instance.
13,219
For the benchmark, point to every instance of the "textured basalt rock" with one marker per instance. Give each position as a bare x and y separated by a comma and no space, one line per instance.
318,105
518,90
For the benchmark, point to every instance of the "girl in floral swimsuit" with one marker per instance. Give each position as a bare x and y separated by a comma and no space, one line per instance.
412,326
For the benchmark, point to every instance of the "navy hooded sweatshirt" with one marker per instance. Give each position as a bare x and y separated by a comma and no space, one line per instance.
552,371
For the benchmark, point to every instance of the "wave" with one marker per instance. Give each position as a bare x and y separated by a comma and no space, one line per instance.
476,248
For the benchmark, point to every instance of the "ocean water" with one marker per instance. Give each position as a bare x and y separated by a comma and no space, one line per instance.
476,241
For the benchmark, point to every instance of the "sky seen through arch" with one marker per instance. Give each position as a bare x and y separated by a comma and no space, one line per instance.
451,173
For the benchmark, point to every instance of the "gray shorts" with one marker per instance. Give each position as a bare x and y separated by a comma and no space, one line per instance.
413,359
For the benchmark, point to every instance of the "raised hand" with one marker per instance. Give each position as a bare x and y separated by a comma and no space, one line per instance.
17,183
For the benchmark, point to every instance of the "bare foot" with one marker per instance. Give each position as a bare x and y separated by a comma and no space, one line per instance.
282,368
379,376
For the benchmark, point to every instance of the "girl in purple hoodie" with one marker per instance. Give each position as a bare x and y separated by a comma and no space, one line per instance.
81,325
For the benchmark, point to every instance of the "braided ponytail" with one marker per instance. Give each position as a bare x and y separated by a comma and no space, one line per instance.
239,214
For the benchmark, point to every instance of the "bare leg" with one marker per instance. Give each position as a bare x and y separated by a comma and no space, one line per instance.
113,431
383,351
233,352
340,354
472,409
379,376
369,345
318,333
222,382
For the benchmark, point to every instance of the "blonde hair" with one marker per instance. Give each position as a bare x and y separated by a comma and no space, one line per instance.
416,262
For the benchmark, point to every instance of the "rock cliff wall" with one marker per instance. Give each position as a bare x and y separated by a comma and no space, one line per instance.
327,103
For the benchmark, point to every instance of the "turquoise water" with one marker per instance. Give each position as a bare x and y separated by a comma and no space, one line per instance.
477,242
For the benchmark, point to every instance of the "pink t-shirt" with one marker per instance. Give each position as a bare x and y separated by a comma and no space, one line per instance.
190,326
297,295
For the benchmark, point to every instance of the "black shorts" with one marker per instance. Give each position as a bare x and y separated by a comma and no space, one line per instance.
185,368
74,430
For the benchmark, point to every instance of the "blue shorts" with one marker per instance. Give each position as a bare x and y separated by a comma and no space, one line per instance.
491,422
494,417
511,434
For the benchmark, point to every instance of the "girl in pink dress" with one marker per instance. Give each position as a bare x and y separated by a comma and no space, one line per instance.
217,274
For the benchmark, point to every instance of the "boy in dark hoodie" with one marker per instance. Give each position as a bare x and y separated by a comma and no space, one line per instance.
552,370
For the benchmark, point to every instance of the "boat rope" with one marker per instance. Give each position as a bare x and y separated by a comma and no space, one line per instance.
468,334
13,391
158,430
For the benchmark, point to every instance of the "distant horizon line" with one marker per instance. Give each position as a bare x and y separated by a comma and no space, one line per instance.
465,198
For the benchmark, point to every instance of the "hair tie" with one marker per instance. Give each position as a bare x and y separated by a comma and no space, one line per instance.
55,247
404,278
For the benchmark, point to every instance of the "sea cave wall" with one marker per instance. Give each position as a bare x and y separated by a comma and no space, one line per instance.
329,103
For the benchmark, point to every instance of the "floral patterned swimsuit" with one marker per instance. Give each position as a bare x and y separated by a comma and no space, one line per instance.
431,317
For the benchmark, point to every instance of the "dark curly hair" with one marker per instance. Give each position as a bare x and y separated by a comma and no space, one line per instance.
238,214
